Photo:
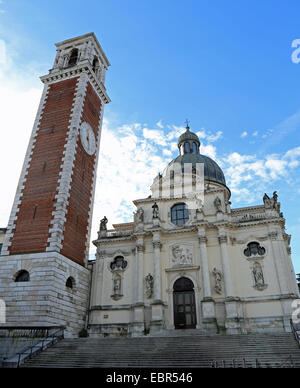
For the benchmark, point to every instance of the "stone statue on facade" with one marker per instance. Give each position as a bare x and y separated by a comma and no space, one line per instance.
218,280
267,201
117,292
117,285
258,276
271,203
103,224
218,204
149,285
139,215
155,210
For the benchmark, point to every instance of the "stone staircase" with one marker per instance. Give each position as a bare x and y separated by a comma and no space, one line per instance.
252,350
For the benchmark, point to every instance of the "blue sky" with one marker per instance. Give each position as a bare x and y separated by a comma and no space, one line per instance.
225,65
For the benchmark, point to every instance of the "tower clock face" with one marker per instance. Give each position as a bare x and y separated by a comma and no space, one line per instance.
87,137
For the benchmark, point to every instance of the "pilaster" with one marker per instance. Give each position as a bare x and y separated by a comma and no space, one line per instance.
157,304
138,309
232,324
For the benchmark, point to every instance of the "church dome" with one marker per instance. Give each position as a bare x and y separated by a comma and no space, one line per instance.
212,172
189,149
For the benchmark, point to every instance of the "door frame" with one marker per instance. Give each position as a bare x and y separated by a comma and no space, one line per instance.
194,302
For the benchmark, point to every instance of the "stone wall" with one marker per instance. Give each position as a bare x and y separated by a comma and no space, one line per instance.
44,299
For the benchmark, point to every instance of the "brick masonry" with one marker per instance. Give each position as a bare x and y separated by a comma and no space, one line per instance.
38,196
77,217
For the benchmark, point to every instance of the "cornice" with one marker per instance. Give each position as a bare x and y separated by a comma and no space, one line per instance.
112,239
69,72
183,268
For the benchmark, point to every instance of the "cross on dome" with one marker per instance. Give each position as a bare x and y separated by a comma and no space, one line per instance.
187,124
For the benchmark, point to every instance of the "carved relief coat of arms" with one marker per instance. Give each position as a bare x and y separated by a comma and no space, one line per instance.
181,254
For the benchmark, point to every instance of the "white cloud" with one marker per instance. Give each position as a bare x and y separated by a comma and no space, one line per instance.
174,132
292,154
159,124
208,136
167,152
208,150
255,133
173,146
276,167
244,134
155,135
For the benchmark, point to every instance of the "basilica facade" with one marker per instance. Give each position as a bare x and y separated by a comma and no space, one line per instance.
188,260
202,265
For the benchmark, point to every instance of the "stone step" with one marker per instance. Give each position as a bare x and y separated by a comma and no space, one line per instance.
158,352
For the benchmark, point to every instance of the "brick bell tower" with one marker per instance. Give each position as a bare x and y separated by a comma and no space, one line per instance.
44,278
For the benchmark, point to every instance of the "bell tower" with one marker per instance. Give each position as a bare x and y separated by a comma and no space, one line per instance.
48,232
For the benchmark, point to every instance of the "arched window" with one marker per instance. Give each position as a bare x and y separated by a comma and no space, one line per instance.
254,249
179,214
95,64
187,148
70,283
195,148
22,276
73,57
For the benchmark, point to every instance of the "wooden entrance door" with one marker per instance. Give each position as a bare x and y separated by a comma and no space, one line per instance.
184,304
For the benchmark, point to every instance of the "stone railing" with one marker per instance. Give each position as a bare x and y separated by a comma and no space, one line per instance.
248,216
114,233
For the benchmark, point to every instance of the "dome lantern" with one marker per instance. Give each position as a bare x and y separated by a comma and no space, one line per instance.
188,142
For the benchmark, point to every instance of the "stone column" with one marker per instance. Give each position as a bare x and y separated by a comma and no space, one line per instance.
140,272
280,269
204,265
157,304
157,270
225,264
208,306
283,279
232,324
96,295
138,317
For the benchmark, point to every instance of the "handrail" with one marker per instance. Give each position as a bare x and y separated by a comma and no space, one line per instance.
29,348
291,362
243,363
294,331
